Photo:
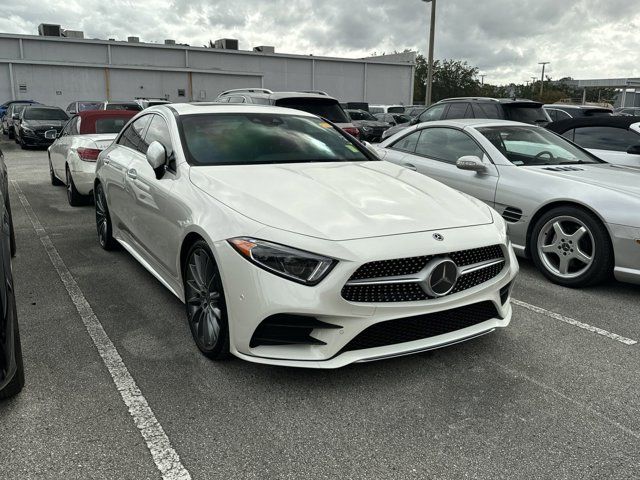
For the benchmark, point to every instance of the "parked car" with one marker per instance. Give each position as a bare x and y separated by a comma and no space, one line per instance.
519,110
8,118
575,215
34,121
561,111
121,105
11,366
370,127
319,104
393,119
151,102
73,154
627,111
84,105
386,109
614,139
5,105
292,244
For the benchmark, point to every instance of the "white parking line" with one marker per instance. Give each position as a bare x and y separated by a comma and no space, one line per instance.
575,323
165,457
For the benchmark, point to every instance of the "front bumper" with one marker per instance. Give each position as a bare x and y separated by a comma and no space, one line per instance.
626,249
252,294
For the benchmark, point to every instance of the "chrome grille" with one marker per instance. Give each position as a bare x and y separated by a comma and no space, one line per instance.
398,280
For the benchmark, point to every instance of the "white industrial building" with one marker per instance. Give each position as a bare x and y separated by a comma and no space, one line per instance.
56,70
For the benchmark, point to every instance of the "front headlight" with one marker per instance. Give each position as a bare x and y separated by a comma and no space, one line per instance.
27,130
291,263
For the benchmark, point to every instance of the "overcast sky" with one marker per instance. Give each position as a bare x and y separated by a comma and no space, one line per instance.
504,38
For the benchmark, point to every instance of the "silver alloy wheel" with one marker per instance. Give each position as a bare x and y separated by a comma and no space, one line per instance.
566,247
204,299
69,190
101,215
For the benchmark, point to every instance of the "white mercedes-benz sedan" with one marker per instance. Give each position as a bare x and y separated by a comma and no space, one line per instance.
290,243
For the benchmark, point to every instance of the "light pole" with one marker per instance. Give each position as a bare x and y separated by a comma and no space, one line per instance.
482,79
432,29
544,64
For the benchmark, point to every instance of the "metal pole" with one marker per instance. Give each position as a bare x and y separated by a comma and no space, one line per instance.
482,79
544,64
432,30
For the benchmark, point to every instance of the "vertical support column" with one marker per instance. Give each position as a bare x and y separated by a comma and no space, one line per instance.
12,82
412,84
364,83
186,58
21,49
624,97
107,85
109,54
313,74
584,95
190,77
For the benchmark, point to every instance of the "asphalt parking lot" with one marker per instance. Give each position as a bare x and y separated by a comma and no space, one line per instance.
555,395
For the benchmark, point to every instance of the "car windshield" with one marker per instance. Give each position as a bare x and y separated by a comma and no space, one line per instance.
526,146
325,108
84,106
361,115
45,114
257,138
123,106
532,114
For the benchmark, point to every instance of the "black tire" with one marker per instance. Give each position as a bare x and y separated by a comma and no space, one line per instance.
54,180
10,133
75,198
103,220
205,302
17,382
12,233
597,242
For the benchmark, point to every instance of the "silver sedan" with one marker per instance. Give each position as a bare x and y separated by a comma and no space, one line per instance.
576,216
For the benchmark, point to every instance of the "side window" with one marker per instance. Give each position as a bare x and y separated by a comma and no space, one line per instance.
132,137
562,115
569,134
446,144
237,100
553,113
606,138
408,143
459,110
158,131
486,110
433,113
74,128
70,107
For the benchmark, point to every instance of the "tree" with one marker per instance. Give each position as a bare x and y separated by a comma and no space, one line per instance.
451,78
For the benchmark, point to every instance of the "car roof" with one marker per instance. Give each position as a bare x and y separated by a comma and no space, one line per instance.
48,107
562,126
213,107
475,123
578,107
505,101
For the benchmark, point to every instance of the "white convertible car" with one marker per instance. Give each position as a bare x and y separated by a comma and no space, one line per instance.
73,154
291,244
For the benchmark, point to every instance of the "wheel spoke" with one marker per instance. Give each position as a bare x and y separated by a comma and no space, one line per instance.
558,229
578,234
196,277
582,257
563,267
553,248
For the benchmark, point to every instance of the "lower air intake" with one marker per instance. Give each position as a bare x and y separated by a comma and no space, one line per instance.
287,329
420,327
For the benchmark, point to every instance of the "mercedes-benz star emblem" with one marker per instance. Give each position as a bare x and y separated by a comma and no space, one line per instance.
438,236
442,275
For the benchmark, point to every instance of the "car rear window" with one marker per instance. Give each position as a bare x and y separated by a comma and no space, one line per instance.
521,113
111,124
45,114
84,106
123,106
325,108
259,138
395,110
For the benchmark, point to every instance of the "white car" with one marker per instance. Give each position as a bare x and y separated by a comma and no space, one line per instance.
73,154
292,244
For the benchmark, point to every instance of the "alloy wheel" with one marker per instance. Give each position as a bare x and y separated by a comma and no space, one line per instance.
204,299
69,186
566,247
101,216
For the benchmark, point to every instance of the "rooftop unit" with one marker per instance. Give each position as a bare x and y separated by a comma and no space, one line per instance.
49,30
73,33
169,42
227,43
264,49
133,39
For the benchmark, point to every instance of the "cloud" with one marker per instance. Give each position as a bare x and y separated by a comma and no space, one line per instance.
504,38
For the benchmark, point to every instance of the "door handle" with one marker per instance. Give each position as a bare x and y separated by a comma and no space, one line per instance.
411,166
132,174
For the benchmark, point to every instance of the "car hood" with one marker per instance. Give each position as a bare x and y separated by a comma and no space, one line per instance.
370,123
339,200
43,123
619,178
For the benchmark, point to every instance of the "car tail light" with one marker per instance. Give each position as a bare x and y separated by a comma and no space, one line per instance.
352,131
88,154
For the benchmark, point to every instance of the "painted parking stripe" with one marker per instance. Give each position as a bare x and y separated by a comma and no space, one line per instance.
575,323
165,457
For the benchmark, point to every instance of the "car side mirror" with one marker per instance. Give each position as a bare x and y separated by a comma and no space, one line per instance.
414,121
157,157
471,163
634,150
51,134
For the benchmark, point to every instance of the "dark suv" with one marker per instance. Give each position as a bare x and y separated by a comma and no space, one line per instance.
315,102
516,109
34,121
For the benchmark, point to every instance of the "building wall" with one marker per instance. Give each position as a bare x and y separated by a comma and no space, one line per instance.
57,71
